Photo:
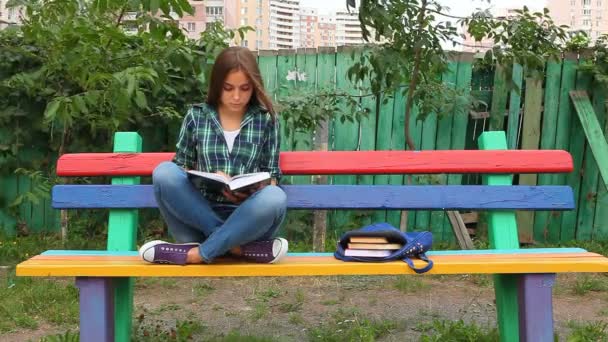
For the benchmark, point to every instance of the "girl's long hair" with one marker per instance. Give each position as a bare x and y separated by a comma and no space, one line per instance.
232,59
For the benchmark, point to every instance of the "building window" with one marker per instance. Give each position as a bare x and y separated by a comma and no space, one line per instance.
259,32
214,10
244,43
191,27
586,22
586,11
258,44
244,10
244,21
258,22
586,2
258,11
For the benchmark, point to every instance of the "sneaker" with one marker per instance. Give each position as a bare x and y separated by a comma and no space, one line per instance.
265,251
162,252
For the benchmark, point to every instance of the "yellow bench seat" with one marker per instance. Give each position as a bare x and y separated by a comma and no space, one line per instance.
132,266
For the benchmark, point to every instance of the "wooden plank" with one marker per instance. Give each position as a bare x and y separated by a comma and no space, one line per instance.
345,134
577,149
318,266
460,230
502,233
122,236
368,137
562,135
342,162
600,223
499,99
514,106
530,141
326,64
428,135
24,185
456,197
439,222
9,186
593,131
549,127
306,65
416,134
397,144
267,62
460,124
383,143
286,67
596,156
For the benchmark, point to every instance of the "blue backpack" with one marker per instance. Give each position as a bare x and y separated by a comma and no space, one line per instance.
415,244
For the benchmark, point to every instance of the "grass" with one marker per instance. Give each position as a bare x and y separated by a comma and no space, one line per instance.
586,283
235,336
588,331
156,332
349,325
409,284
13,250
68,336
295,305
25,302
202,290
455,331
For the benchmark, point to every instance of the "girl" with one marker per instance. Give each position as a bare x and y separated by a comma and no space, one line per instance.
236,131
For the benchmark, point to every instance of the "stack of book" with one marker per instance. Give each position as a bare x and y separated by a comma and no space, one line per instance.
370,247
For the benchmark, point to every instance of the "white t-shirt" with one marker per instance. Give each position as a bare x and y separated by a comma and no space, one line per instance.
230,136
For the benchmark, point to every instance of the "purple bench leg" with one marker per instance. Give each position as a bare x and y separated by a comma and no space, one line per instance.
536,308
96,309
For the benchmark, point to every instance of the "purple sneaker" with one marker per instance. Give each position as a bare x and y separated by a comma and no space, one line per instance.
162,252
265,251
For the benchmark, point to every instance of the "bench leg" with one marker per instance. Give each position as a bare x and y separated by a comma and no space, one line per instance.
536,307
96,309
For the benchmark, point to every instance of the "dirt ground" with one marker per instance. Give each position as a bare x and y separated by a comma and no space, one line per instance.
287,308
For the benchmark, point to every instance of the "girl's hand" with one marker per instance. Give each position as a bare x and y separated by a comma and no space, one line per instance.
234,197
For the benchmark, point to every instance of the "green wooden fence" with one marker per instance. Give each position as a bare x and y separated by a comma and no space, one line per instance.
536,112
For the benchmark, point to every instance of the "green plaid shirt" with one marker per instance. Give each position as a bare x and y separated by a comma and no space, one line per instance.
201,144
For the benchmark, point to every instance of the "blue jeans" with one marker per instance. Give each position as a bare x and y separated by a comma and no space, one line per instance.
217,226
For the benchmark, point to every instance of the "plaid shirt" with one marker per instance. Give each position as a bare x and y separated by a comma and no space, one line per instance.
201,144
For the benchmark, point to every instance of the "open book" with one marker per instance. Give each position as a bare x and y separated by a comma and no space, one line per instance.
216,183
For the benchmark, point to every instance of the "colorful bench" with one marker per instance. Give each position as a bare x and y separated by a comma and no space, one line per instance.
523,278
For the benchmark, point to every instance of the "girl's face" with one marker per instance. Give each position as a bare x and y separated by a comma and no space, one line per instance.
236,91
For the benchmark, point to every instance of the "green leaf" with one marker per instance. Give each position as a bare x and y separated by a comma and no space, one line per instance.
80,104
51,109
130,85
140,99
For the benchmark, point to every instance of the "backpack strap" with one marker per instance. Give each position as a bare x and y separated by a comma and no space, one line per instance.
422,256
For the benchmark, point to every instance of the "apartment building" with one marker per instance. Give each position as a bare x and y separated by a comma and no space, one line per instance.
326,31
208,11
590,16
309,27
284,24
348,29
254,13
9,16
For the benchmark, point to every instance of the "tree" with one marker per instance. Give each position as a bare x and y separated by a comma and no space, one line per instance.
77,71
409,58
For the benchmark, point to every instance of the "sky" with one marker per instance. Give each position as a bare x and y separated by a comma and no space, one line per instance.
457,7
